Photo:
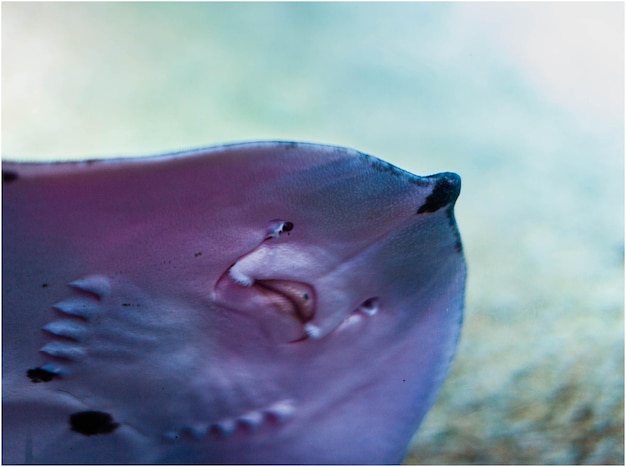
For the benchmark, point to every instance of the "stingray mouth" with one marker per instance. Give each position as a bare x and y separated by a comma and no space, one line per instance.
290,297
281,307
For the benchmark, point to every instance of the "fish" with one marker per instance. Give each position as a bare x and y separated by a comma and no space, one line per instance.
267,302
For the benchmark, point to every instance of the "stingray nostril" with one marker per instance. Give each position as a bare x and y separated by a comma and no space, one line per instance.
278,226
370,307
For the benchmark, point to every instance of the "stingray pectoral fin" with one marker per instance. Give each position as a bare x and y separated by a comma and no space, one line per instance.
266,303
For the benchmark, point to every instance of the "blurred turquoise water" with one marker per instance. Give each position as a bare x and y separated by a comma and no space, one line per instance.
525,101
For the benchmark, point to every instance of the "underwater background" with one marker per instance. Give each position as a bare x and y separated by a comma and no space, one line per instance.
524,100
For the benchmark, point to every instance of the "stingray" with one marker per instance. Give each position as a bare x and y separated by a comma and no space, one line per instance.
269,302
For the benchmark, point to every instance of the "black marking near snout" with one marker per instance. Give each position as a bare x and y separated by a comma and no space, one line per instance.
446,191
92,422
39,375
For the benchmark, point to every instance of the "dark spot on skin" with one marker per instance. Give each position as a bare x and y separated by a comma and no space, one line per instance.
288,227
306,296
92,422
43,286
131,304
39,375
9,176
446,190
198,254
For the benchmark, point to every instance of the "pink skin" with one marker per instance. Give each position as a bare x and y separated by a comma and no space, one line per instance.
254,303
